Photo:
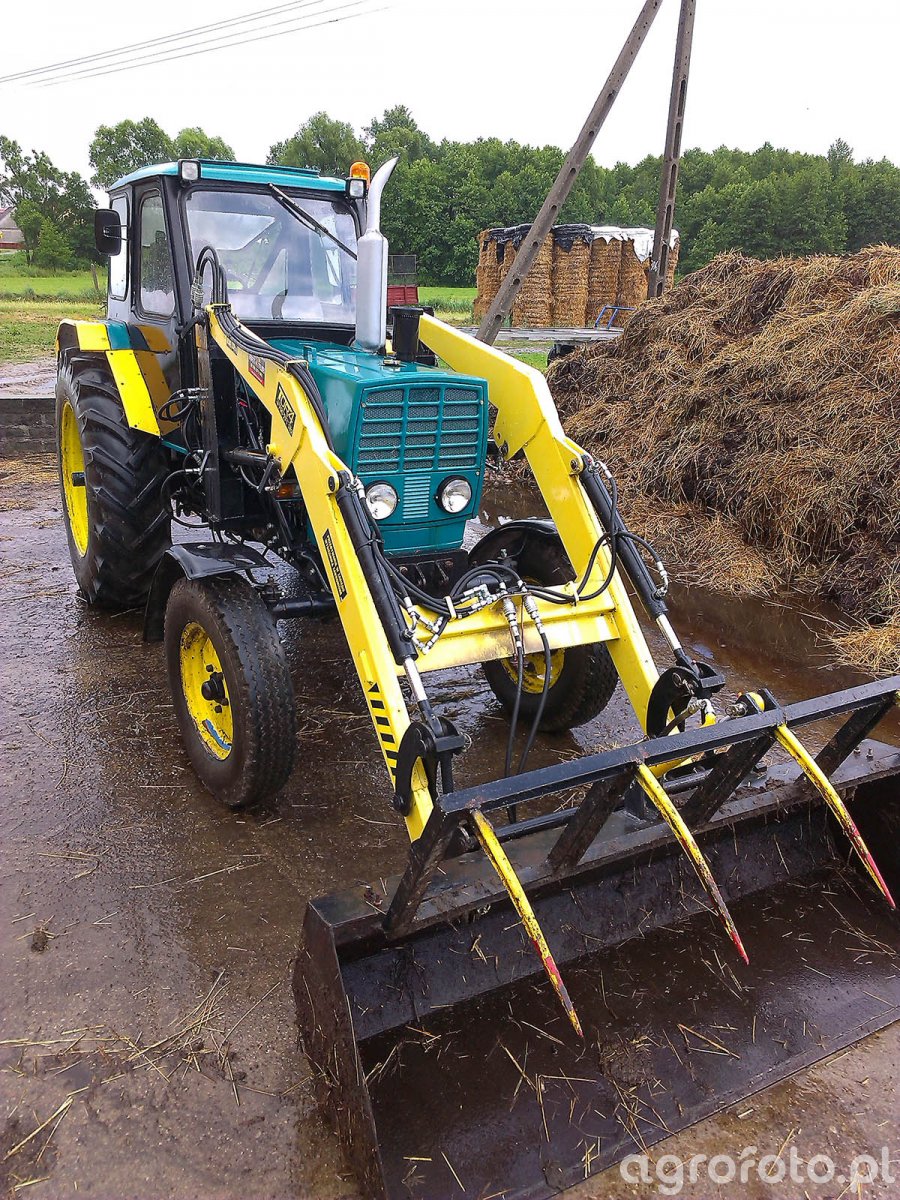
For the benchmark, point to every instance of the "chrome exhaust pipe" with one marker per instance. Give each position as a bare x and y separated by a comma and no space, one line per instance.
371,268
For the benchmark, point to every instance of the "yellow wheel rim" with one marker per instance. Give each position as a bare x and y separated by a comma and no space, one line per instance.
205,691
533,677
72,468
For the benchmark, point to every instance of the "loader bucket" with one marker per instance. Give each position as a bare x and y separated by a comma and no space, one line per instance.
443,1058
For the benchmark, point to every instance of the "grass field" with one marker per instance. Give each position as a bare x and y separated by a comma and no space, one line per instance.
19,280
28,327
453,305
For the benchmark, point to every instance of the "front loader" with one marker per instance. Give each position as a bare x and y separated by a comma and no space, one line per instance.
490,1022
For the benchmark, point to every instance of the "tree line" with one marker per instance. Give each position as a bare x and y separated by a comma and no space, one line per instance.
765,202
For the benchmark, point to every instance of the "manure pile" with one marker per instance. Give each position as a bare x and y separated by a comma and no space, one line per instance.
752,418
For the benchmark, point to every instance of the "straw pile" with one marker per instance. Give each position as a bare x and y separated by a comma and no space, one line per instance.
752,418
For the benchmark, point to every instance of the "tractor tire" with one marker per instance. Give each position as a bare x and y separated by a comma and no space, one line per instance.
582,678
117,524
231,687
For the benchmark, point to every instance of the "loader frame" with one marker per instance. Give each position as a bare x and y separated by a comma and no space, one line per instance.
526,422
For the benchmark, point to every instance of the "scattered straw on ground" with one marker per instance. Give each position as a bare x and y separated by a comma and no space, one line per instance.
752,417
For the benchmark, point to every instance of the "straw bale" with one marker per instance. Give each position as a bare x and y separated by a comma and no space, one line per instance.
762,397
532,306
672,263
571,268
487,274
633,277
603,275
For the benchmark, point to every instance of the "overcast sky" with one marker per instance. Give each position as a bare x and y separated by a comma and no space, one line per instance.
797,73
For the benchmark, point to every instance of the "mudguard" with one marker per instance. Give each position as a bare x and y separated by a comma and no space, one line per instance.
193,560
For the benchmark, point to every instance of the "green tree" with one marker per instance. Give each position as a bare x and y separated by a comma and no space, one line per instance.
194,143
118,149
322,143
37,189
53,248
396,132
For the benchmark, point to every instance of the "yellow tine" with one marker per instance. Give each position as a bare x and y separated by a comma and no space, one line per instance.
673,819
820,780
504,869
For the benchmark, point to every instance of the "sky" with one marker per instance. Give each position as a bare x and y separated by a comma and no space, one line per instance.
797,73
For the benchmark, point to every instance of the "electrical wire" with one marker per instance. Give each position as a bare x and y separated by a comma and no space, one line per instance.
85,59
200,48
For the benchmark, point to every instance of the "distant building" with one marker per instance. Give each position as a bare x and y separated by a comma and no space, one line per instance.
10,235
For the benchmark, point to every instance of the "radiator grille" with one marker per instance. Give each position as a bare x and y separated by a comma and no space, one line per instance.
418,430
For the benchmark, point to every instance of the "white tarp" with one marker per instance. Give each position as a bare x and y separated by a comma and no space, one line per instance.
642,238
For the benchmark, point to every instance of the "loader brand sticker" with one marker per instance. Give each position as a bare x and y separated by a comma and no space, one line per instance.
257,367
285,411
333,563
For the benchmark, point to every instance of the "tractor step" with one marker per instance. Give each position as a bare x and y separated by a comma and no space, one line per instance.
449,1070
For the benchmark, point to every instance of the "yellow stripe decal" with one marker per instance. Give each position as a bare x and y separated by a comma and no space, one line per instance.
92,335
133,391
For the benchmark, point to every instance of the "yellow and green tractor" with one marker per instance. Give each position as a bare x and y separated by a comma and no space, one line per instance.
250,386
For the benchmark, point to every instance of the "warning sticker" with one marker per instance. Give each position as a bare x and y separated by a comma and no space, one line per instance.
334,565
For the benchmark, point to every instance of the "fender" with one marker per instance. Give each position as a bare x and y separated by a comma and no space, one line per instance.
512,538
193,560
131,353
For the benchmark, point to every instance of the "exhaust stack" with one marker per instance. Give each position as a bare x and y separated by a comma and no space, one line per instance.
371,269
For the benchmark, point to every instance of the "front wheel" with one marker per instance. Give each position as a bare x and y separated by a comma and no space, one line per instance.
582,678
231,687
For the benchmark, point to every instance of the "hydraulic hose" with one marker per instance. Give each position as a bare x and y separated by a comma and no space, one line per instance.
539,711
622,542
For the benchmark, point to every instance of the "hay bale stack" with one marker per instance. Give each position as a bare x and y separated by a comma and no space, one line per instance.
571,270
633,276
487,274
603,274
762,396
506,253
532,307
672,263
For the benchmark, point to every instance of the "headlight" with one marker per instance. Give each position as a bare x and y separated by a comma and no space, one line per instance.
454,495
381,499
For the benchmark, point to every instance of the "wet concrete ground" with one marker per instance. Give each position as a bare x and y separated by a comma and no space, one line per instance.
147,935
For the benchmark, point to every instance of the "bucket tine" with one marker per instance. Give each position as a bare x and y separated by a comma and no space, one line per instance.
504,868
670,814
822,783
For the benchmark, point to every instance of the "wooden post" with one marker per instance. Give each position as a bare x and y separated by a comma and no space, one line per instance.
665,213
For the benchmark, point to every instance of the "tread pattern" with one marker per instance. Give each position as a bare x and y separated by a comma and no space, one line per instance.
259,686
129,525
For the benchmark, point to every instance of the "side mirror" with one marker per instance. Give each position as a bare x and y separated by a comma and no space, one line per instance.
107,231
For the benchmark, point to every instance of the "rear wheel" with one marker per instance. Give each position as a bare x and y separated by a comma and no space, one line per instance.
231,687
582,678
111,477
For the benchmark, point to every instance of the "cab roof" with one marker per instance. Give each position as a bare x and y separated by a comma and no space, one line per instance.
232,172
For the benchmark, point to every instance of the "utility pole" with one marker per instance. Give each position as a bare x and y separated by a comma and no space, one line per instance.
665,213
558,194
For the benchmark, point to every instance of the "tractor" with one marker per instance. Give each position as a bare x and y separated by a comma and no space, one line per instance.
249,382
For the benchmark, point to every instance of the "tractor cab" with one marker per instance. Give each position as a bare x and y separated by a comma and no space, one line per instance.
288,244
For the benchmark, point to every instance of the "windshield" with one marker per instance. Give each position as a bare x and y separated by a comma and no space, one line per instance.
277,267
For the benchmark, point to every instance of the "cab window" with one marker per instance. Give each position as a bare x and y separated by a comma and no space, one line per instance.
157,290
118,263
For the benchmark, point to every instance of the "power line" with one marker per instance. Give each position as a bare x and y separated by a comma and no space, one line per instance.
171,37
198,48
